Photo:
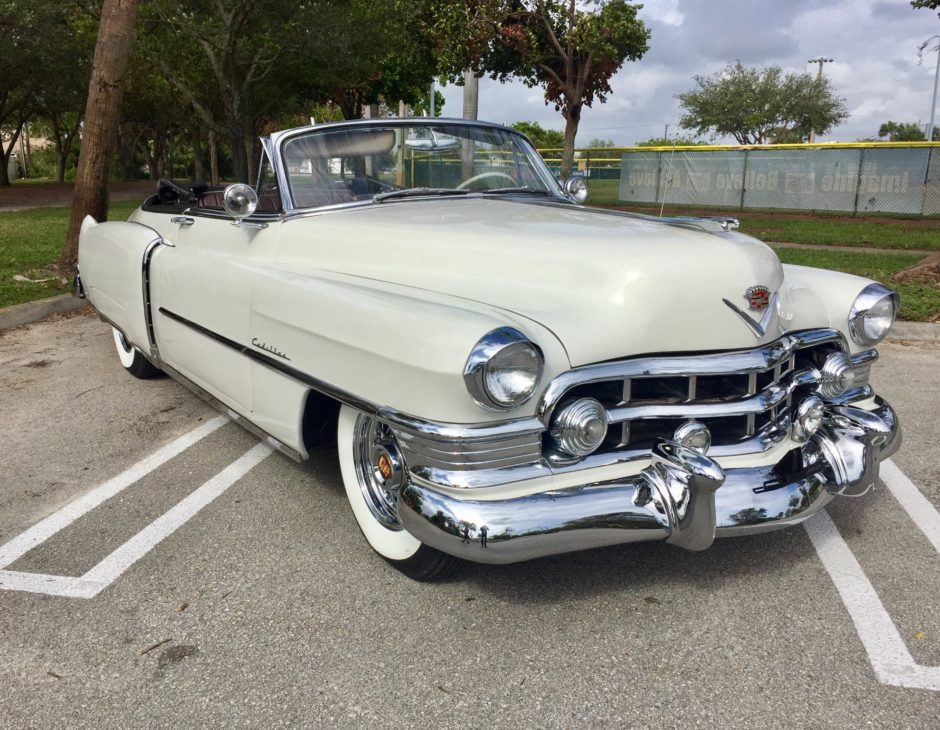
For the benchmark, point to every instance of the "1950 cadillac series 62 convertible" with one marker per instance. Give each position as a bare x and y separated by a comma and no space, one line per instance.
507,374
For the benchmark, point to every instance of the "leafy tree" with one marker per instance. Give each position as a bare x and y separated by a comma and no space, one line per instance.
670,141
596,142
23,30
901,132
539,136
62,80
570,51
760,106
930,4
240,63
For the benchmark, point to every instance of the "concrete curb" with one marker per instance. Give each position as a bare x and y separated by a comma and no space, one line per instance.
915,332
20,314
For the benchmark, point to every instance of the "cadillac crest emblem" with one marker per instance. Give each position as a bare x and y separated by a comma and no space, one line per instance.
758,297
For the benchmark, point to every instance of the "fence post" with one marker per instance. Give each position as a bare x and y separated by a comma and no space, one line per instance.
659,174
744,179
858,180
923,198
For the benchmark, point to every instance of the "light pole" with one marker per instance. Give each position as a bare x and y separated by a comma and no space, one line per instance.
936,77
820,60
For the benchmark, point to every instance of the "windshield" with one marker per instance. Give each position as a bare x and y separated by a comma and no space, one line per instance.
376,163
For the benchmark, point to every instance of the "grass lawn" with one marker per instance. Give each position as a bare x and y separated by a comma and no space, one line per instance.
31,240
920,300
820,228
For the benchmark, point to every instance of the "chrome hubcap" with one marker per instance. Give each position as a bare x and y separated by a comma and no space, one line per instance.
380,469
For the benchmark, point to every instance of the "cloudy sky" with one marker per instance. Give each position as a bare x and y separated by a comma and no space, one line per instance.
874,44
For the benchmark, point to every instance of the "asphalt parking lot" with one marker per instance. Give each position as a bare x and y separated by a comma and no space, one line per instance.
158,567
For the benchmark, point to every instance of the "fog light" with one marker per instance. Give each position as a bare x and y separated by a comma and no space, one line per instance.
580,427
808,418
836,375
694,435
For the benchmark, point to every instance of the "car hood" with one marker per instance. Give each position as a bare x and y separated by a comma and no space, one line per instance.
608,286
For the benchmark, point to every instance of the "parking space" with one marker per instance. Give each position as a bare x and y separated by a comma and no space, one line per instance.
159,566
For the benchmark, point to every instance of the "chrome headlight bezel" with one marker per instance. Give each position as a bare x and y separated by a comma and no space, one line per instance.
502,342
869,299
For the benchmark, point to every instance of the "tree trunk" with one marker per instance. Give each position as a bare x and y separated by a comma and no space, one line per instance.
236,140
213,159
471,107
572,119
4,168
252,158
5,153
59,164
102,117
471,95
59,151
199,173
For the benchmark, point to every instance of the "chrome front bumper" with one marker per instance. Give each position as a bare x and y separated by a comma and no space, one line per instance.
682,497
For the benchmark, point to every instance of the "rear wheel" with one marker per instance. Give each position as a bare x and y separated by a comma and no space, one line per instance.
373,473
131,358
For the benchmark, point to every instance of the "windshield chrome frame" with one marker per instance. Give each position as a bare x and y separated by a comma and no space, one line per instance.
274,145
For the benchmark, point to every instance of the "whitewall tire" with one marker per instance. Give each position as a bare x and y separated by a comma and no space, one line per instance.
373,471
134,362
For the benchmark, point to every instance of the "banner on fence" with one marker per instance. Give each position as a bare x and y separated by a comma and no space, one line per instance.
889,179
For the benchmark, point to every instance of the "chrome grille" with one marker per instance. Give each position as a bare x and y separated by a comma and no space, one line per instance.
743,397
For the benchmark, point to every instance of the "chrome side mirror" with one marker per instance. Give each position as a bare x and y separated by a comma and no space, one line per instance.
240,201
576,188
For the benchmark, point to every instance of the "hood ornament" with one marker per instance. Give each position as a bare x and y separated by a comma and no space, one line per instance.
758,298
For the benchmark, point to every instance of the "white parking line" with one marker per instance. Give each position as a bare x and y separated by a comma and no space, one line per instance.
112,566
887,652
57,521
917,506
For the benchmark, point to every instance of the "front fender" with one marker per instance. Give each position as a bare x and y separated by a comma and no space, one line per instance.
819,298
393,345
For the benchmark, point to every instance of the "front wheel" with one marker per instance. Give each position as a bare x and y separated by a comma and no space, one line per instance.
131,358
373,472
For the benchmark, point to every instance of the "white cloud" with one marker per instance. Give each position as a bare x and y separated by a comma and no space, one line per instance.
873,42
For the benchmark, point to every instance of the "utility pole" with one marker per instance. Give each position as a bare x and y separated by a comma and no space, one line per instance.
431,105
666,131
936,77
821,60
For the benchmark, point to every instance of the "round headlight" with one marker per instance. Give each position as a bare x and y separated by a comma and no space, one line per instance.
873,314
503,370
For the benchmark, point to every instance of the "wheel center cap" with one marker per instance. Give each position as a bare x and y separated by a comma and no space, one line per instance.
385,466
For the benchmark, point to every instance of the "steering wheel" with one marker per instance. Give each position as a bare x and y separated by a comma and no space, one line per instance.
482,176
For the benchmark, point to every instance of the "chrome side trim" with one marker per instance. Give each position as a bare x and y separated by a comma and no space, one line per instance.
205,395
467,441
327,389
145,286
235,416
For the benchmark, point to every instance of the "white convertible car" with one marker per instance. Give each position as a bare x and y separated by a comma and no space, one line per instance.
507,374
